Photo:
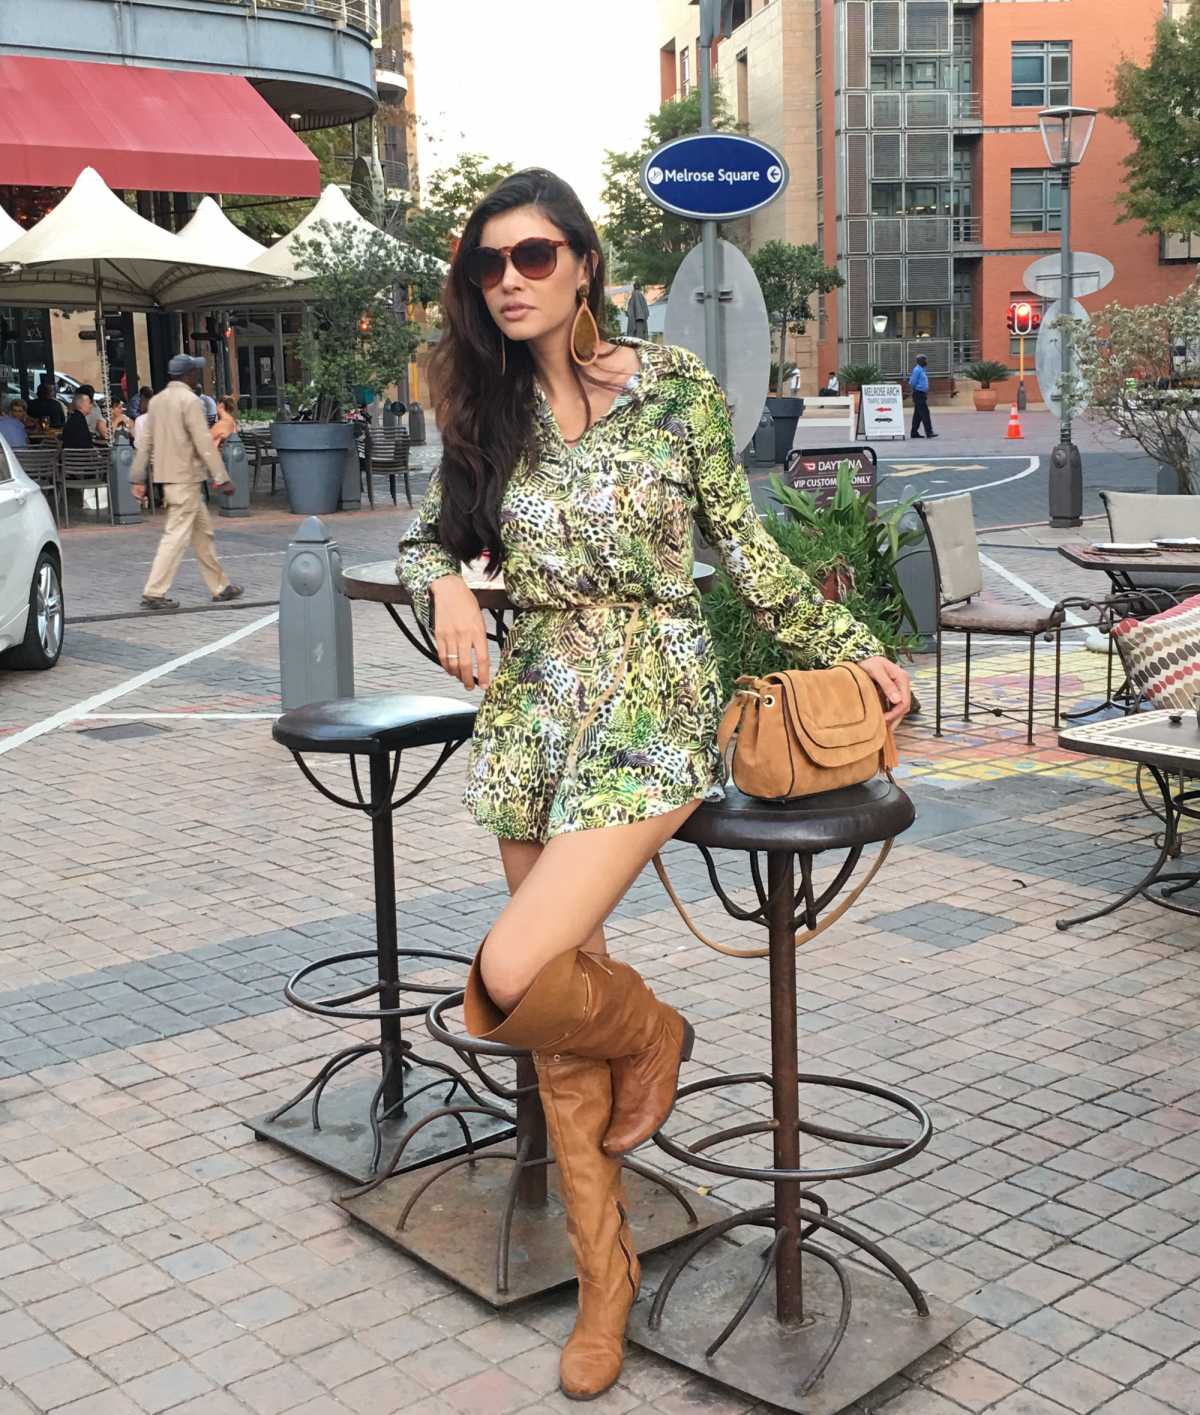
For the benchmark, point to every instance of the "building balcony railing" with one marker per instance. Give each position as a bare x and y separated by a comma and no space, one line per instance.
968,107
357,14
967,230
895,357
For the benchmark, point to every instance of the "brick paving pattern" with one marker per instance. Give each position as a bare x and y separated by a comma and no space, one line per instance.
154,1257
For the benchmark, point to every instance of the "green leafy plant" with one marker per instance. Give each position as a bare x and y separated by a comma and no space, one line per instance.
789,277
986,372
858,375
845,540
353,337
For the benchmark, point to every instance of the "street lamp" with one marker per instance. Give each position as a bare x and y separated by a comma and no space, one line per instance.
880,323
1066,132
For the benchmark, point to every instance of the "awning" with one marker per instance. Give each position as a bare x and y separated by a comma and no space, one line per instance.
157,130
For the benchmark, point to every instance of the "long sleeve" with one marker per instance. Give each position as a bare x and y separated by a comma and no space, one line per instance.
141,460
422,558
785,602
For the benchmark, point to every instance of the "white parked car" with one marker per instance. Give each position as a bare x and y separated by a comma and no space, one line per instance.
31,596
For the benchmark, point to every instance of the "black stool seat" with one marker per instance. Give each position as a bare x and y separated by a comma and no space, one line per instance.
375,726
834,820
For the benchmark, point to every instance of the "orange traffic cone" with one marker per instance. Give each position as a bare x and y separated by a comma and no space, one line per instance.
1014,433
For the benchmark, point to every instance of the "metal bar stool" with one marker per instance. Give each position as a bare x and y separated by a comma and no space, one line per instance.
349,1128
831,1329
485,1216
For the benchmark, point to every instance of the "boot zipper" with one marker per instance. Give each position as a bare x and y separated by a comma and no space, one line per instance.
628,1255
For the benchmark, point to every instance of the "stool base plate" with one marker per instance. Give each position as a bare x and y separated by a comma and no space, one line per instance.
344,1141
768,1362
455,1226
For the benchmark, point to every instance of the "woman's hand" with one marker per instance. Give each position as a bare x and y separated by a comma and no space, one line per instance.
462,645
893,683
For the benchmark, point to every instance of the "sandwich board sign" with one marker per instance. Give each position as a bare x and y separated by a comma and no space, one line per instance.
882,410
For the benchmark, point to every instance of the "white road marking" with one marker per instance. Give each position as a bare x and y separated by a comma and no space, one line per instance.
1034,463
131,685
179,716
1072,621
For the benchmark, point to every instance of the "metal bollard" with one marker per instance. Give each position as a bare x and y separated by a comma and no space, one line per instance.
416,425
237,464
350,495
127,510
316,636
763,445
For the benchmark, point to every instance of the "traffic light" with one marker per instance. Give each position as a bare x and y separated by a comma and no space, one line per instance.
1023,318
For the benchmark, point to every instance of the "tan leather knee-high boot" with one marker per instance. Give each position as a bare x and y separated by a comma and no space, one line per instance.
585,1005
576,1093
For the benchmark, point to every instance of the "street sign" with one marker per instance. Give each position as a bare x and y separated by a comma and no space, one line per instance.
815,469
1049,355
714,176
743,327
882,410
1089,273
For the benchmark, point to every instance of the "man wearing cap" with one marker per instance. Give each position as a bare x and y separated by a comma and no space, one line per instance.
176,439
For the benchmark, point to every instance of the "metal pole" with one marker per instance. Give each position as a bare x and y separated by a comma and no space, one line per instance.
713,347
280,376
1068,291
101,342
1066,465
789,1270
1021,385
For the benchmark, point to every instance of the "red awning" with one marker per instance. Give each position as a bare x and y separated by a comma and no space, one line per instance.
160,130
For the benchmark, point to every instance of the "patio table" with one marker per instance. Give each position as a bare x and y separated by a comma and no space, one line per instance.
1119,568
1167,744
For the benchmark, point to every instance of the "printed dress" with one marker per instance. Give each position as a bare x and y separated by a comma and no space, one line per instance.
605,706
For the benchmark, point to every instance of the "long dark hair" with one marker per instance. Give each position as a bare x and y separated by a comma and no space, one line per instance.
486,418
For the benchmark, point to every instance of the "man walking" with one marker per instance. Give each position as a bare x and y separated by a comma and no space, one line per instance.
176,438
918,382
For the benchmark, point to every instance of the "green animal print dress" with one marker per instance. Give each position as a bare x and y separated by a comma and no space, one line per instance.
605,706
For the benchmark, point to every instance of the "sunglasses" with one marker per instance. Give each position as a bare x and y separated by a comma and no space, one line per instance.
536,258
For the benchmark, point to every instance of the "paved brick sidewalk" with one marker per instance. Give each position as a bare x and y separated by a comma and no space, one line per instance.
154,1257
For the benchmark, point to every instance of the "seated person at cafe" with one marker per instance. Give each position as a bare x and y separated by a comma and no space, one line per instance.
46,408
121,421
12,425
226,423
77,432
95,419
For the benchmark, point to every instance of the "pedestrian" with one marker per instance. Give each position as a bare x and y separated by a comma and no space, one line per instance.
13,426
140,402
833,385
596,737
793,382
918,382
77,430
226,423
46,408
176,437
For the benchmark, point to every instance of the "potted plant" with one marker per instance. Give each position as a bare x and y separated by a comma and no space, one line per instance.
852,378
848,547
986,372
352,338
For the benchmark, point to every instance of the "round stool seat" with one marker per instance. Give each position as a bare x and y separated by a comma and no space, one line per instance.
375,726
834,820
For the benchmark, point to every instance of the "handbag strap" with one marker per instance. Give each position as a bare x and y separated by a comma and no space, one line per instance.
802,935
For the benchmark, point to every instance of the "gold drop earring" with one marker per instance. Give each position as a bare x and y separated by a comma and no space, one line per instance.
585,333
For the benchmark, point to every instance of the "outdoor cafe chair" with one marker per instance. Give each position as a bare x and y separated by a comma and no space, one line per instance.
387,455
41,466
261,450
85,468
963,608
1143,516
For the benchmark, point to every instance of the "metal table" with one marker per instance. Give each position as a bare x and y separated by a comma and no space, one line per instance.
1167,744
1119,568
377,583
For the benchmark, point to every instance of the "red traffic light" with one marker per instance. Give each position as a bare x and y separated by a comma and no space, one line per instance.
1022,318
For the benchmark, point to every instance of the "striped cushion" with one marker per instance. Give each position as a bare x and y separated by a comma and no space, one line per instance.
1162,654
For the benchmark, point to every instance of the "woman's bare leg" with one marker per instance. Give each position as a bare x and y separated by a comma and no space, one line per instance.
564,898
518,858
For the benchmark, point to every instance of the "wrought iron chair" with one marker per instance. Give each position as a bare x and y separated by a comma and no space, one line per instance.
260,449
387,455
41,465
85,469
1143,516
963,608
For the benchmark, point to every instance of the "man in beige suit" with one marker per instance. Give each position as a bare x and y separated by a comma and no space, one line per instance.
176,438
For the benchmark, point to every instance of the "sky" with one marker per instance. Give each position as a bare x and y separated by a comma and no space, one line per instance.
546,83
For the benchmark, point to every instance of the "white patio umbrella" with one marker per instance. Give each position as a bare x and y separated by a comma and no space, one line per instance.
92,249
214,239
9,231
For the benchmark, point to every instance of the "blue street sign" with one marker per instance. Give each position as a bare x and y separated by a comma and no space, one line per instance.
714,176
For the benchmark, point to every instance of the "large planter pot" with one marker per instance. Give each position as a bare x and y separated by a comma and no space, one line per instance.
985,400
312,457
1168,481
786,412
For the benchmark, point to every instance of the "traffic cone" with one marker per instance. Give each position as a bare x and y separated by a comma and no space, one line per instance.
1014,433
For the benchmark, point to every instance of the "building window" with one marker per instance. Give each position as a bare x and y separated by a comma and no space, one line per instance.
685,72
1036,199
921,75
743,90
741,12
1041,74
668,72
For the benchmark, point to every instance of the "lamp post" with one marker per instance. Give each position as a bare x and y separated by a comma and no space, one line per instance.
1066,132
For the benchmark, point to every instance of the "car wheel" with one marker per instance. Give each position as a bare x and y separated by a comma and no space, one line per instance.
43,640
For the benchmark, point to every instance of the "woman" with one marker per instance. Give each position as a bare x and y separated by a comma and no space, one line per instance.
577,465
226,423
121,421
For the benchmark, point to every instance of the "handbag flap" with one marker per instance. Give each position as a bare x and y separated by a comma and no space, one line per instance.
835,713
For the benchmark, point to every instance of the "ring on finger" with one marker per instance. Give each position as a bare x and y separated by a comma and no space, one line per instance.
452,658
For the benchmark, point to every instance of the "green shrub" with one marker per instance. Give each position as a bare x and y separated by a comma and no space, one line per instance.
857,375
986,372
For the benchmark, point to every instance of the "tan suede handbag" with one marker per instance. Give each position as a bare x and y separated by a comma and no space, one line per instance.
794,734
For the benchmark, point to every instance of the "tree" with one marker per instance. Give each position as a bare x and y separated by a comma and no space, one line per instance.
649,243
352,336
1160,104
1128,361
451,194
789,276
